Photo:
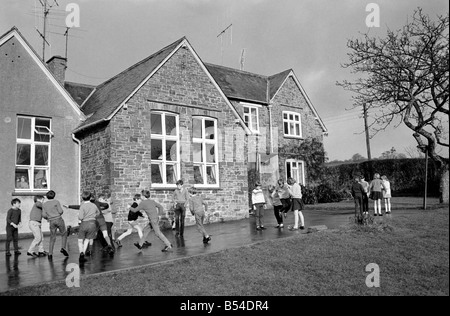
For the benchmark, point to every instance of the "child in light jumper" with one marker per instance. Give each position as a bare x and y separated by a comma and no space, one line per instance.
386,194
259,204
297,204
88,226
196,204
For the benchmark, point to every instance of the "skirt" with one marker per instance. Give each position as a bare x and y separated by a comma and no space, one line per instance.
297,204
376,195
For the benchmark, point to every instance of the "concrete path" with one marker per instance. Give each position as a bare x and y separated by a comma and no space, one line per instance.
20,271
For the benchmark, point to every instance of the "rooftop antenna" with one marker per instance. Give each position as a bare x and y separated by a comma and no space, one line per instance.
66,34
229,27
46,10
242,60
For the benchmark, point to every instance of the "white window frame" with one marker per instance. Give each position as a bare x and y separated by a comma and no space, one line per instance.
249,116
290,133
297,169
33,143
163,162
204,141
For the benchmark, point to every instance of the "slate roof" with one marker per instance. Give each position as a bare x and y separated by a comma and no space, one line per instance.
78,91
106,98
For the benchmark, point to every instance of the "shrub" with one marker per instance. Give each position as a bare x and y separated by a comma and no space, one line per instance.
308,195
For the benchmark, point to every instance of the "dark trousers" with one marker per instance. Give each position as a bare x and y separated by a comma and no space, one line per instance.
101,238
55,225
358,206
276,210
365,203
109,226
12,234
286,205
180,215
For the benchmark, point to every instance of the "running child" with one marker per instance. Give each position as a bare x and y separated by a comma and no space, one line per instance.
277,206
196,205
132,221
88,227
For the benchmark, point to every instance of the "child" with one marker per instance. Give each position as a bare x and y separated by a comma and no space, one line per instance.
297,204
88,227
277,206
358,193
13,221
196,204
386,194
152,208
52,212
365,198
35,224
132,221
180,200
284,193
259,204
375,193
107,213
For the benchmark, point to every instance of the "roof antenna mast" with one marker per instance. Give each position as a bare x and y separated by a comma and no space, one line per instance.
46,10
229,27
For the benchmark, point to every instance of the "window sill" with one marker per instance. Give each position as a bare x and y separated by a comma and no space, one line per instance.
293,137
207,187
29,193
163,188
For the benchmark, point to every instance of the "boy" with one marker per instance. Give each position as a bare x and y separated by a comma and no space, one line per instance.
196,204
132,221
107,213
358,192
277,205
13,221
365,198
52,212
88,227
180,200
35,224
152,208
259,204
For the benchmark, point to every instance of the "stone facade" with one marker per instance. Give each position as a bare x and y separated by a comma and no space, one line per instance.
117,157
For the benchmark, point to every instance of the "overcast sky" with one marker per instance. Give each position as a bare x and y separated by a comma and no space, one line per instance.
308,36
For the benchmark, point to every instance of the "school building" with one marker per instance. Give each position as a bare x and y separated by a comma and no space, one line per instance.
170,116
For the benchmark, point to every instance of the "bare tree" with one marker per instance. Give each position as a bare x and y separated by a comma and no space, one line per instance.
406,80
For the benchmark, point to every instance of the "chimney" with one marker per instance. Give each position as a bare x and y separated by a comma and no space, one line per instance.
57,66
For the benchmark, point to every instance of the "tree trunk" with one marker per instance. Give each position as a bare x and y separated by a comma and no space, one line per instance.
444,185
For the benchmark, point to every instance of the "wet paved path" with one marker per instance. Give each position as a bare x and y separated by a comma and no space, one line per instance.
21,271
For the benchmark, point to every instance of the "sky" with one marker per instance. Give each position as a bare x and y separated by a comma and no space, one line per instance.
308,36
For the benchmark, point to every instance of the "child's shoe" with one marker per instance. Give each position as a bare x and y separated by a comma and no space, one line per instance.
136,244
166,248
258,228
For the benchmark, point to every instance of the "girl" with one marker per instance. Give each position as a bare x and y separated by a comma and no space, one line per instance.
277,206
386,194
259,204
375,193
297,204
285,196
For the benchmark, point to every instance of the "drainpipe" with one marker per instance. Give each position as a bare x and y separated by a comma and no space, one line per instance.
79,161
270,128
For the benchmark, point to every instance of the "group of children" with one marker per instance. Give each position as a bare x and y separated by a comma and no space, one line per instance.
378,189
285,197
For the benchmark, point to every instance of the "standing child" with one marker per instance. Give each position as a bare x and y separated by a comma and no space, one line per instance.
297,204
365,198
386,194
259,204
88,227
357,193
13,221
132,221
52,212
35,224
375,194
180,200
277,205
196,204
152,208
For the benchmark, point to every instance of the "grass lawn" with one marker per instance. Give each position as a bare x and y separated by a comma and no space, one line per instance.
411,250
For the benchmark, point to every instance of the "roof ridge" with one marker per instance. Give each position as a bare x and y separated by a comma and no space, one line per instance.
141,62
238,70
